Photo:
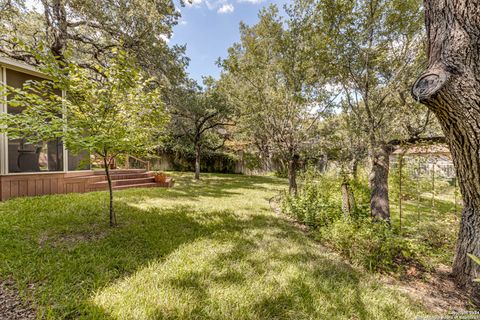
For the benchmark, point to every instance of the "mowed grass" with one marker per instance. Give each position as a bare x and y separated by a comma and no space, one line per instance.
203,250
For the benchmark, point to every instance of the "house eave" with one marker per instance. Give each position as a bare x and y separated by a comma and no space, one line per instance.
21,67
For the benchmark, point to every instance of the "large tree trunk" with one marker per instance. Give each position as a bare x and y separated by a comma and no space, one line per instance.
197,161
292,174
451,89
379,201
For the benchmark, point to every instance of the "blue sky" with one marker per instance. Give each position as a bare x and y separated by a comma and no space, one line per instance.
209,27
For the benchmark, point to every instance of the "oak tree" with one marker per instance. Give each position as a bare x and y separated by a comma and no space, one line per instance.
450,87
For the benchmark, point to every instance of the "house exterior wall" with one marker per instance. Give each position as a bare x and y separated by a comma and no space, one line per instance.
36,184
14,184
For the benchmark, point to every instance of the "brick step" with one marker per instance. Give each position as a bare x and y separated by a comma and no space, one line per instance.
121,182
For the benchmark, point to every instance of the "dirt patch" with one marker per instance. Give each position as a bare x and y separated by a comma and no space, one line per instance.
436,290
11,306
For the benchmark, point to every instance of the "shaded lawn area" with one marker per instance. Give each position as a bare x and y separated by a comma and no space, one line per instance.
202,250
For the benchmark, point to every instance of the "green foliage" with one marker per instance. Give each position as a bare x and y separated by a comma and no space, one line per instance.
252,161
181,154
116,113
409,184
316,204
281,172
200,118
275,79
112,111
413,186
220,162
373,245
91,28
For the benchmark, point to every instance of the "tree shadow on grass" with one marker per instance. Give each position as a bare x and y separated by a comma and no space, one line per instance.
245,270
210,264
61,274
215,186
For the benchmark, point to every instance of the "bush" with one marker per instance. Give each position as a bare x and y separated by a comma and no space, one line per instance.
373,245
316,204
281,172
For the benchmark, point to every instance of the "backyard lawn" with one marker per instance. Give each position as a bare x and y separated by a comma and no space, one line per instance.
212,249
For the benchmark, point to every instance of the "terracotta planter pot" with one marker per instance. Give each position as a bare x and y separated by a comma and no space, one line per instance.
160,178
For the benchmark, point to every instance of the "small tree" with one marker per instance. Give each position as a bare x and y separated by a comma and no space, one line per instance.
108,111
199,115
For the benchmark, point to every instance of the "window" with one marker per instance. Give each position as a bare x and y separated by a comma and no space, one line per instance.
79,161
27,157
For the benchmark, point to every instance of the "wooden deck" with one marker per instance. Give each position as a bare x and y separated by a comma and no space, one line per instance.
21,185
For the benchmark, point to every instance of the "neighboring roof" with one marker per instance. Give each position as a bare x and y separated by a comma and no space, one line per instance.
21,67
425,150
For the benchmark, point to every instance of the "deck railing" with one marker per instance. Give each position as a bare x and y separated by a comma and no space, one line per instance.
135,161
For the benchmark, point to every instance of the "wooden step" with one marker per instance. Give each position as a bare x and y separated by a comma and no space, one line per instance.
121,171
139,185
121,182
126,176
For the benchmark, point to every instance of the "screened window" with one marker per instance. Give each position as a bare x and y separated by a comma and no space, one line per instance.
79,161
27,157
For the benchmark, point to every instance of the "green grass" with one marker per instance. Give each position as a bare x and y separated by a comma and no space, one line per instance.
202,250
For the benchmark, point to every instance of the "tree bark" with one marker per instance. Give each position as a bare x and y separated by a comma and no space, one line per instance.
197,161
379,201
354,168
292,174
113,219
451,89
348,199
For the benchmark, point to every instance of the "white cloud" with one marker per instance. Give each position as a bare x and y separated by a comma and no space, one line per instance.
165,38
251,1
222,6
211,5
193,3
226,8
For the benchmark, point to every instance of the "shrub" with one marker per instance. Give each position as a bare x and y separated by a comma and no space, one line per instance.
281,172
373,245
316,204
